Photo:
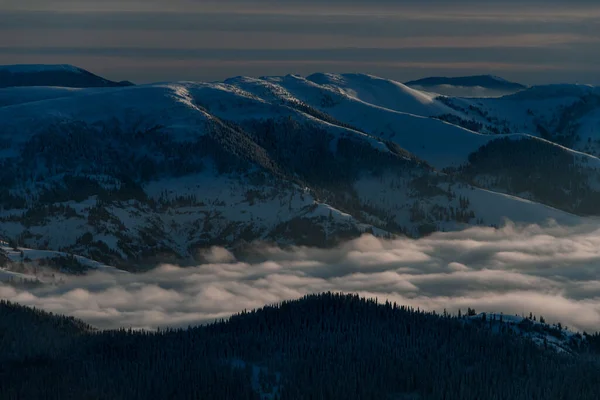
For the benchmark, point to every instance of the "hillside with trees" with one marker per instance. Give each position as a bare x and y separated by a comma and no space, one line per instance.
327,346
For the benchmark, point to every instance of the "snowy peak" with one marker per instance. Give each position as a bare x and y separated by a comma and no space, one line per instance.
62,75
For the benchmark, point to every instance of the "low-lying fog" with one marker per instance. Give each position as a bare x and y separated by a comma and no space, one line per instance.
551,271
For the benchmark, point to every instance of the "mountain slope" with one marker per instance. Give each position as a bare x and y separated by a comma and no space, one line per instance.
18,95
52,75
191,181
28,266
565,114
153,173
547,168
379,92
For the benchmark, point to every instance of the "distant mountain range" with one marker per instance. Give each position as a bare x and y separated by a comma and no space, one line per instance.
52,75
486,81
137,175
471,86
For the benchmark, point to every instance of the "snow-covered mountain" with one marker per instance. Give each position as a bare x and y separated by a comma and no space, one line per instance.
52,75
468,86
156,172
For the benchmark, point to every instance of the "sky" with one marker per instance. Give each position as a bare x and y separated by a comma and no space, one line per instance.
547,270
530,41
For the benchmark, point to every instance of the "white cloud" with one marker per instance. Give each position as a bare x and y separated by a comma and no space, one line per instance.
551,271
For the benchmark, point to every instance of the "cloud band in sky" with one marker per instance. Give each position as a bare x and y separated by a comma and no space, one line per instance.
137,37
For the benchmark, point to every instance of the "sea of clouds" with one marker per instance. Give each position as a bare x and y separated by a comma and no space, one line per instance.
552,271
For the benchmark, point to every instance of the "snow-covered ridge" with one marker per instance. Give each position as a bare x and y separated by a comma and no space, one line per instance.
36,68
61,75
377,91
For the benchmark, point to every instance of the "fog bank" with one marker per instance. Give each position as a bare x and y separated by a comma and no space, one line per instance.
550,271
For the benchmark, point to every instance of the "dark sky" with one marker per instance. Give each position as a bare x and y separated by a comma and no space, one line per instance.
531,41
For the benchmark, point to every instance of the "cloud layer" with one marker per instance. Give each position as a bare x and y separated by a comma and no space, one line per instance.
551,271
148,40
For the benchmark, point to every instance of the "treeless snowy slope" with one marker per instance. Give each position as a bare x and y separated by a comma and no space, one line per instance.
496,208
135,107
382,92
18,95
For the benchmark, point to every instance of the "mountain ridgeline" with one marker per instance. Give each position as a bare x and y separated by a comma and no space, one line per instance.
484,81
468,86
153,173
330,346
52,75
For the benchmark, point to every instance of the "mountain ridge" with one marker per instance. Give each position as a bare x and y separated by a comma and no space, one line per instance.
62,75
487,81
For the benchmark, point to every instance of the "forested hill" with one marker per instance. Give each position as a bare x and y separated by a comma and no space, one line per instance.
325,346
